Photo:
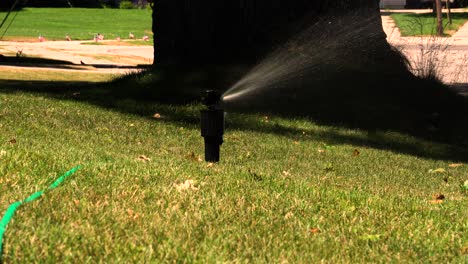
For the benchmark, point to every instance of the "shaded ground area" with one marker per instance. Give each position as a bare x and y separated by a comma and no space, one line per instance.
72,55
158,91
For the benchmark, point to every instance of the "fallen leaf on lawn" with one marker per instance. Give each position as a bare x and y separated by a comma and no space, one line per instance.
143,158
356,152
13,141
439,196
289,215
188,184
454,165
132,214
157,116
314,230
210,164
192,156
438,170
255,176
321,151
286,173
464,250
132,125
76,202
296,142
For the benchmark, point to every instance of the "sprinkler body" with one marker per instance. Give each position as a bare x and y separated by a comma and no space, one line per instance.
212,125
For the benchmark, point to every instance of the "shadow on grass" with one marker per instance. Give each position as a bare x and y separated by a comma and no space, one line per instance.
421,109
58,64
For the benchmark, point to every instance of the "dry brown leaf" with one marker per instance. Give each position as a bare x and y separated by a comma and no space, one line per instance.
188,184
356,152
314,230
438,196
321,151
132,214
13,141
193,157
210,164
464,250
143,158
454,165
289,215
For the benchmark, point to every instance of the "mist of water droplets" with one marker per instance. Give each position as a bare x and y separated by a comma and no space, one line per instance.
325,40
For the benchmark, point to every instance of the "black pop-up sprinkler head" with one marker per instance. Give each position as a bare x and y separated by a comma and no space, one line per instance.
212,125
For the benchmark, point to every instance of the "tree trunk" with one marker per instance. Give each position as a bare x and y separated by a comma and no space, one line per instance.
449,12
440,26
214,31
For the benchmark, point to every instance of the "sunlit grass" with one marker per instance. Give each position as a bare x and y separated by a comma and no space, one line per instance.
25,74
285,189
411,24
78,23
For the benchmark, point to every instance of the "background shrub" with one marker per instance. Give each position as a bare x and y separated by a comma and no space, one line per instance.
126,5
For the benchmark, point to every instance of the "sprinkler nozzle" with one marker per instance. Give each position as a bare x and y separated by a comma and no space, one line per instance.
212,99
212,125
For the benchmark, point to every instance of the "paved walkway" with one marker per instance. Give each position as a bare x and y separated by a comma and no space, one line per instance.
462,33
448,55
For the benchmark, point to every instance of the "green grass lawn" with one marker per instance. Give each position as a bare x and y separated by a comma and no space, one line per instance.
425,24
25,74
287,189
78,23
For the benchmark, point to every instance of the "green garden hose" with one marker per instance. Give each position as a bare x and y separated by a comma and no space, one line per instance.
14,206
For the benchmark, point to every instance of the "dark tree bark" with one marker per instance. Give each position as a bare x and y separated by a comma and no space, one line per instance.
440,26
449,12
218,31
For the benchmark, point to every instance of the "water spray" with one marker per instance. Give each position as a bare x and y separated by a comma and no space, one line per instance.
212,125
